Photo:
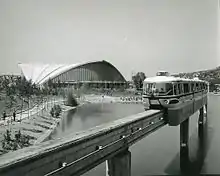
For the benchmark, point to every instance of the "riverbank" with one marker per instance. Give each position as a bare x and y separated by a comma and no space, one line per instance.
40,124
37,127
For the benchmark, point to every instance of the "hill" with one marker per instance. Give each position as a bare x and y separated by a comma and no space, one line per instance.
211,75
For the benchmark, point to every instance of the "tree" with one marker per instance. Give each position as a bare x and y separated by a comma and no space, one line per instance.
138,79
36,90
71,100
13,143
10,102
11,90
5,83
84,88
59,84
50,83
212,87
25,89
55,111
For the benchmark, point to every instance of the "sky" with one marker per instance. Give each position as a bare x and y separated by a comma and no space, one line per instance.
133,35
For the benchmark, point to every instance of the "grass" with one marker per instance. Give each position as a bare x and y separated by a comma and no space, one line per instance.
47,122
32,130
42,126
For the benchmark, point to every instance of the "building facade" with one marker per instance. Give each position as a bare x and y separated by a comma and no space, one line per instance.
97,74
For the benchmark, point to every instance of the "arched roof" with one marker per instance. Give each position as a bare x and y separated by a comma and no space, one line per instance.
41,73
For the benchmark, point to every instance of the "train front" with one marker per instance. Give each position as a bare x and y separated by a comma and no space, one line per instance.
149,95
157,92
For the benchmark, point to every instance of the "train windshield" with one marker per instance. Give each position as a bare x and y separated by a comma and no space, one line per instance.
148,87
158,88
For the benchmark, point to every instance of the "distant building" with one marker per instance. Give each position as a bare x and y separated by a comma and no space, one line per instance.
97,74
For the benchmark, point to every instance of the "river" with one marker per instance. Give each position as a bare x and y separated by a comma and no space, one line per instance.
157,153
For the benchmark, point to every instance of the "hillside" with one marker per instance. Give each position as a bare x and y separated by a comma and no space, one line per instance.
211,75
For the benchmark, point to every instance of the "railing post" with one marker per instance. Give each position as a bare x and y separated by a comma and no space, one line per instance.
106,168
201,120
120,165
184,146
201,134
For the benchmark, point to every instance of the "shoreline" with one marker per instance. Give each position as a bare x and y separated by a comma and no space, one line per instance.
48,132
38,126
41,125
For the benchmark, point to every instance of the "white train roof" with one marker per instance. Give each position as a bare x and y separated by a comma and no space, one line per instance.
161,79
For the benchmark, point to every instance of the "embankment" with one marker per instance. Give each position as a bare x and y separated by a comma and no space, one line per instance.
37,126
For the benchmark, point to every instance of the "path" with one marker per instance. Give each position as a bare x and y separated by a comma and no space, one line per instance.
36,109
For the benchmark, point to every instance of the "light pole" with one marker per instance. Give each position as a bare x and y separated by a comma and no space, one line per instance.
21,109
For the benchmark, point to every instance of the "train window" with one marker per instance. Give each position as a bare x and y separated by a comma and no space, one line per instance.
169,89
200,88
192,87
160,88
176,90
180,88
148,87
164,88
186,87
197,87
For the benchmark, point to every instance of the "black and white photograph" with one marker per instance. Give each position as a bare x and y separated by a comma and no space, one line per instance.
109,87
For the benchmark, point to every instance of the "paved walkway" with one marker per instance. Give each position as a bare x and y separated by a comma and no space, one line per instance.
36,109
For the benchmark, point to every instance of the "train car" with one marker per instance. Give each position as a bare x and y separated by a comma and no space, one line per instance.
164,91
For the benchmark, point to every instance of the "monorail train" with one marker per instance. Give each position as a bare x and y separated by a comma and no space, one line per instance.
164,91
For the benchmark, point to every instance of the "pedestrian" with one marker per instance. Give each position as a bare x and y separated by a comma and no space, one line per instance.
4,115
14,115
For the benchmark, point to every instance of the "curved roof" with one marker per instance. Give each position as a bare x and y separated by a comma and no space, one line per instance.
41,73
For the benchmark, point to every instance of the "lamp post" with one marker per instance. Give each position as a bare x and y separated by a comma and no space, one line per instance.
21,109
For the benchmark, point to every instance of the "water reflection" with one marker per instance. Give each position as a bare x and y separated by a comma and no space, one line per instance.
69,117
195,166
199,143
91,115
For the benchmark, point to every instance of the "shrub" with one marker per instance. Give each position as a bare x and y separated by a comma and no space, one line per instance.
71,100
19,141
52,112
55,111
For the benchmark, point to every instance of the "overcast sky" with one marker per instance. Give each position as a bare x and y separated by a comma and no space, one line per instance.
135,35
